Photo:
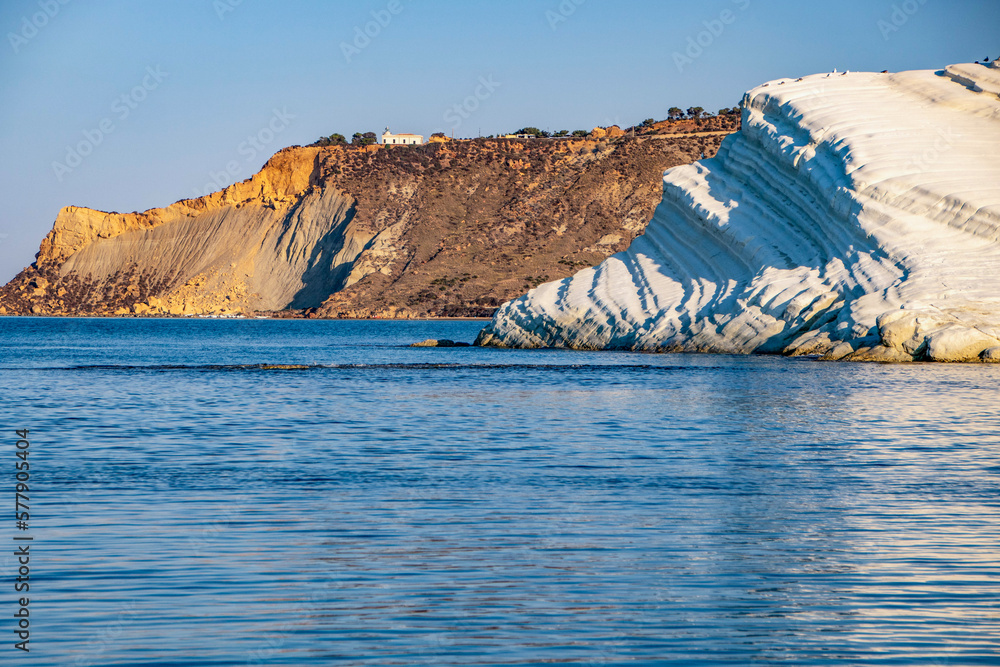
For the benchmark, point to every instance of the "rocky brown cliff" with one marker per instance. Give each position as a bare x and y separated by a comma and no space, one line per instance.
451,229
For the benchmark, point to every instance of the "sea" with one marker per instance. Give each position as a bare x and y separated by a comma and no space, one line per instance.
299,492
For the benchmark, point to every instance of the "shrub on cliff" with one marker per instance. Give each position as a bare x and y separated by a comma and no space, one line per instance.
333,140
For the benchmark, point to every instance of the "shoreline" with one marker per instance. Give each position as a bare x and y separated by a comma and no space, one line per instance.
861,356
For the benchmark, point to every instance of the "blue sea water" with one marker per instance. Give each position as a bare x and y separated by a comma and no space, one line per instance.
382,505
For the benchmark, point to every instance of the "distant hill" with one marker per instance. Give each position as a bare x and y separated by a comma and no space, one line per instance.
448,229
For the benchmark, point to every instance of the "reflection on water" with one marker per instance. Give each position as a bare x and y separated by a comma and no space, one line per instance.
198,505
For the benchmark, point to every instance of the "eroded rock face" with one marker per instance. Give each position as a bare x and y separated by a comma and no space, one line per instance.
270,241
450,229
854,216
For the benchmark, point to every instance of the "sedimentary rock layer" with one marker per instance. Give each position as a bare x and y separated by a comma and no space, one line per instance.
855,215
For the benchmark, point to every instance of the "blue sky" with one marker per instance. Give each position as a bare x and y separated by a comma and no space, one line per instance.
165,95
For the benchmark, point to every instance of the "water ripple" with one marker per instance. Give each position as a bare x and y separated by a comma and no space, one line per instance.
310,493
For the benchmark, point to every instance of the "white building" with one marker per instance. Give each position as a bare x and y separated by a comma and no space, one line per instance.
390,139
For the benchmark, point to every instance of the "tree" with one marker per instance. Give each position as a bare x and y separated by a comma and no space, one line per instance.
675,113
561,133
695,112
581,133
366,139
649,122
333,140
533,131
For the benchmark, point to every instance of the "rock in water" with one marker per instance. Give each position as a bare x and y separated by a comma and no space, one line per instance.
851,213
430,342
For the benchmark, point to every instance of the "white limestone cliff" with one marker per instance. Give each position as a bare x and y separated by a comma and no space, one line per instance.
854,216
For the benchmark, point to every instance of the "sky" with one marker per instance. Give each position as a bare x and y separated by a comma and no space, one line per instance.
126,105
